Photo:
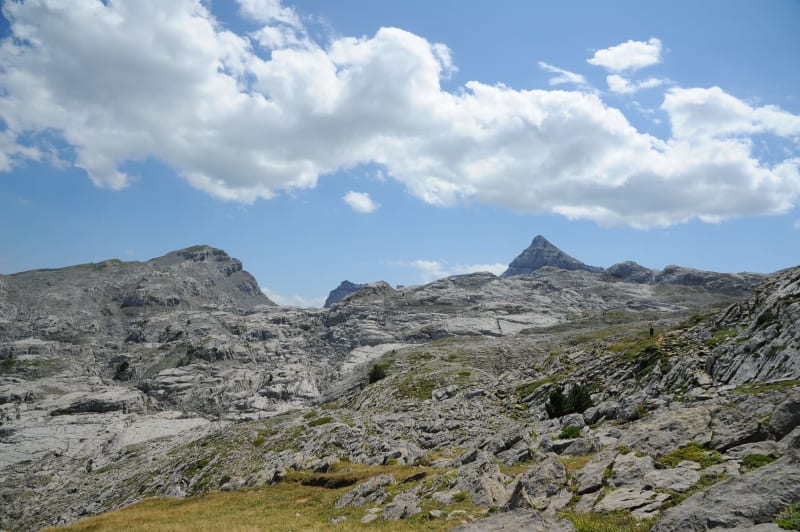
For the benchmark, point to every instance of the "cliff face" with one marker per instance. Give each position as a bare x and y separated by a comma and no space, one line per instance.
177,376
542,253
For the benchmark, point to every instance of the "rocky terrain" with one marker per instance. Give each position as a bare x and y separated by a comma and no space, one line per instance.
533,401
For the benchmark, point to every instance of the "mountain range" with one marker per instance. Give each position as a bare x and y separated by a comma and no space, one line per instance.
534,400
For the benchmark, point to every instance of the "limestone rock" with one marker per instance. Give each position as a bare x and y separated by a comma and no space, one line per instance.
750,499
629,469
646,501
538,485
786,416
405,504
518,520
678,479
370,491
483,481
590,477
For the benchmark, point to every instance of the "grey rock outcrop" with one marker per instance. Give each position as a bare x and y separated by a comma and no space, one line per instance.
631,271
517,520
744,501
542,253
344,289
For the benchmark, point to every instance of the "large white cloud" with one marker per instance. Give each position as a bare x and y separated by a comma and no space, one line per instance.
714,113
146,78
630,55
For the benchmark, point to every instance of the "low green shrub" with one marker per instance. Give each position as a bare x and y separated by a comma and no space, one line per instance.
570,432
756,460
789,519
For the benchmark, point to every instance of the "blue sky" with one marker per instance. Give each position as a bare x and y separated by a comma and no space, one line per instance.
319,141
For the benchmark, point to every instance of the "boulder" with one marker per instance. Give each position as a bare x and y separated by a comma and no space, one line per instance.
744,501
405,504
539,485
668,430
370,491
677,479
786,416
590,477
483,481
630,470
644,502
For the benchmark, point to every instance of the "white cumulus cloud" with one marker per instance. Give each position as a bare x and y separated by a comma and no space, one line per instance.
125,81
621,85
360,202
700,113
630,55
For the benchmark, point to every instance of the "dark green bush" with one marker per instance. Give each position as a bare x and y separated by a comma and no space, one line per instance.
378,371
576,401
570,432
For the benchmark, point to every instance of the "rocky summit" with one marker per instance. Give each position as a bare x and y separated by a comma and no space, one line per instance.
542,253
538,400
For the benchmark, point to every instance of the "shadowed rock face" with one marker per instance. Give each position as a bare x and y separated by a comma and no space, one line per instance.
344,289
542,253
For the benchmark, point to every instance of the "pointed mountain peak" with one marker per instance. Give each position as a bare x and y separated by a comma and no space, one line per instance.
542,253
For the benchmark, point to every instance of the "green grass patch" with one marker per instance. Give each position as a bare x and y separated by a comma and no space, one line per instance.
304,501
719,337
419,388
756,388
756,460
526,389
320,421
789,519
694,452
608,522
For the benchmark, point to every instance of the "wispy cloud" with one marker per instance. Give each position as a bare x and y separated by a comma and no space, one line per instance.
430,270
294,300
563,76
360,202
621,85
630,55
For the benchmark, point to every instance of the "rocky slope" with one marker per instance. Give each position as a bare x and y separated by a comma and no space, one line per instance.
174,377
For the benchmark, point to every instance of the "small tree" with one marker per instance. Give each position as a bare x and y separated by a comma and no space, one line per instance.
378,372
579,399
556,403
576,401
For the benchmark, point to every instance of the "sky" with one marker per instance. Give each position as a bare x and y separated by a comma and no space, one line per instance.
319,141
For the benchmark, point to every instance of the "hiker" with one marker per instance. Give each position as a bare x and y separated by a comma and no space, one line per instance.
652,331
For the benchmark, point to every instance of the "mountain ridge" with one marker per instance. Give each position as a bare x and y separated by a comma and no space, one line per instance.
175,378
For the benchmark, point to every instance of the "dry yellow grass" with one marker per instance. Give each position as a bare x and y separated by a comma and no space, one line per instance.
287,506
